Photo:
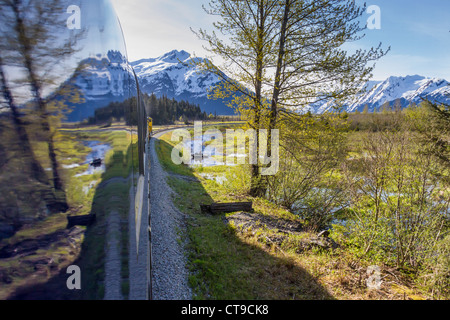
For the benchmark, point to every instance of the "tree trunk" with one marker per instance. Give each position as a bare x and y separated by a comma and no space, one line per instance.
41,105
257,188
32,166
280,62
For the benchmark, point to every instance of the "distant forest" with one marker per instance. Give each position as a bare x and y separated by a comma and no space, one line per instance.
162,110
166,111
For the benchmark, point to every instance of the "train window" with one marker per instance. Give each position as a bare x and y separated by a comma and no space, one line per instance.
72,142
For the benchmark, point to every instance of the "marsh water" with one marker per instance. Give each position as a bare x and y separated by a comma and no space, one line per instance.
98,151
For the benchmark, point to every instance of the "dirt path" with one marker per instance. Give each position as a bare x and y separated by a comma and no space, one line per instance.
169,271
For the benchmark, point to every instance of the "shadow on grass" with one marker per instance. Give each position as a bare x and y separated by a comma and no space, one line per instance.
112,193
225,265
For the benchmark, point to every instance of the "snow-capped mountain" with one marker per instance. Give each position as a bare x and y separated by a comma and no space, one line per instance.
104,79
102,75
98,80
175,75
396,90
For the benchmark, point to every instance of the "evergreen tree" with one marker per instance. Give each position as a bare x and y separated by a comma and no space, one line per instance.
161,110
385,107
366,109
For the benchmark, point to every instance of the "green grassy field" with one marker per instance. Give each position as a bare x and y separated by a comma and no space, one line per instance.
228,262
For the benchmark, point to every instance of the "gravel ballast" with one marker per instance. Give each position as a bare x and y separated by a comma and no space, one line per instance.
113,290
169,262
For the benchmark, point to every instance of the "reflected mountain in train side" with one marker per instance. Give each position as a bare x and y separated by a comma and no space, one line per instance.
99,80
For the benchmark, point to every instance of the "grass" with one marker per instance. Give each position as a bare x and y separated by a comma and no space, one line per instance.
50,225
223,263
89,252
226,266
70,150
164,152
227,263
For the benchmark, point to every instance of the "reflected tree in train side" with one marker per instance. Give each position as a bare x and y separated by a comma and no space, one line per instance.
30,46
52,80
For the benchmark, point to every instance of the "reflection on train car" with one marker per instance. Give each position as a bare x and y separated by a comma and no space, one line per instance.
96,163
149,127
63,87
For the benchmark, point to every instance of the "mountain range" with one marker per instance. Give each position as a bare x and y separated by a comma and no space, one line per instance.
397,91
175,75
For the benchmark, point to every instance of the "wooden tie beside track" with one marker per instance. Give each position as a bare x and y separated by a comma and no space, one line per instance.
218,208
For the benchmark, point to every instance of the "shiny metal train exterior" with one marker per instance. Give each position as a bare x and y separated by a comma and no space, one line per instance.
69,99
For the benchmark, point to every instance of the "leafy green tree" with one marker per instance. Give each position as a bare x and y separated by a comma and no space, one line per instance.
249,53
344,115
312,150
398,202
281,55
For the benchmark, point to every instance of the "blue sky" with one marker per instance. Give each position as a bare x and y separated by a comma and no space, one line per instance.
416,30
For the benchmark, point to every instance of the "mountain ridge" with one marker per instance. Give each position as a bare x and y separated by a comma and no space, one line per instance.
402,90
165,74
102,79
176,74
